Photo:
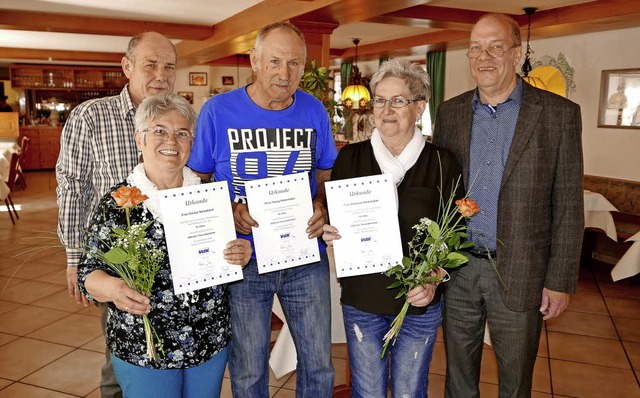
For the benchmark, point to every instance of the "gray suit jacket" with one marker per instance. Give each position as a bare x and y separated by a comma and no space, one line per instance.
540,206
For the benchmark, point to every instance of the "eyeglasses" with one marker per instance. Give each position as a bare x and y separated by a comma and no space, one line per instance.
397,102
494,51
160,132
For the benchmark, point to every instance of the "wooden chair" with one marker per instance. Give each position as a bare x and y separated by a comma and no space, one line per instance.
11,182
24,146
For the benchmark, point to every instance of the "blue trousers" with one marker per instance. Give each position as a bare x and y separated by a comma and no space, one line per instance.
406,362
200,381
304,295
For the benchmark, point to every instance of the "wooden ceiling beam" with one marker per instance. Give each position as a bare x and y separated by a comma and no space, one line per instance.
441,37
244,25
60,55
67,23
442,16
242,28
457,23
585,12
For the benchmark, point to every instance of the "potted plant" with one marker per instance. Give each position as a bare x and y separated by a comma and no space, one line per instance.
317,82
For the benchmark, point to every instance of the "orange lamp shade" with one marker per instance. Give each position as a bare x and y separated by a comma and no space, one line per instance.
356,97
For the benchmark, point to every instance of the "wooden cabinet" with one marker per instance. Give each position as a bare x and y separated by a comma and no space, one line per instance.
66,77
44,147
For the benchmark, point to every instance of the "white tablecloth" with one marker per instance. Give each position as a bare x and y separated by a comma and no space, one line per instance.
283,355
4,191
7,148
629,264
597,214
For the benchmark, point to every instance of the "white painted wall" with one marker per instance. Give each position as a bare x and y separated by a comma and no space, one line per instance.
608,152
214,81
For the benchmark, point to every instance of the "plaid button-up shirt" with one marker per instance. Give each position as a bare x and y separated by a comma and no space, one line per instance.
97,151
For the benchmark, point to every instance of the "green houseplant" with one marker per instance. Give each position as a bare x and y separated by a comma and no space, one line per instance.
317,82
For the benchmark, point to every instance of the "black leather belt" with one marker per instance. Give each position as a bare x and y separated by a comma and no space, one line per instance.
482,253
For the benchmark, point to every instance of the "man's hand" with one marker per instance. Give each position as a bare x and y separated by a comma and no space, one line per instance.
553,303
242,218
72,286
317,220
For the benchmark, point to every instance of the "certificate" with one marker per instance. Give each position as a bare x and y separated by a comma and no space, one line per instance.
282,207
198,224
364,211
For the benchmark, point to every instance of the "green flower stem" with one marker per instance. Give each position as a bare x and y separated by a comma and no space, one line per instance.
150,333
396,324
126,213
425,267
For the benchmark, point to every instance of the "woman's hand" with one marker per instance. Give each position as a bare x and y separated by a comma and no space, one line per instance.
422,295
104,287
238,252
317,220
330,233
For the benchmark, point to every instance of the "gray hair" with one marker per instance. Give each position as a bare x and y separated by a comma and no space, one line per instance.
156,106
515,28
262,34
416,78
135,40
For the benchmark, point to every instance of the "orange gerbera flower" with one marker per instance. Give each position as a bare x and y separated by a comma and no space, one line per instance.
128,196
467,207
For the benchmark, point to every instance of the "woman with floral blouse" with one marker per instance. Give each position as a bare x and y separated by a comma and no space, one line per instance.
192,327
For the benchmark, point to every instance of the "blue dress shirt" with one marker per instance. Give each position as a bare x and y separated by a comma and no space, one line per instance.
491,136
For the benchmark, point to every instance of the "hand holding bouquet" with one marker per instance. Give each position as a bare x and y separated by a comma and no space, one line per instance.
131,256
436,244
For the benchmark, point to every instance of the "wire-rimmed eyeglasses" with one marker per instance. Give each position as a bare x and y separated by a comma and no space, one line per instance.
161,132
396,102
494,51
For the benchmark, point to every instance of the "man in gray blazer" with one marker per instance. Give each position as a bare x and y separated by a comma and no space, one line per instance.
520,148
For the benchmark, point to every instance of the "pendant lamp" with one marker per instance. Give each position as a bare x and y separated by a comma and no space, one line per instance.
355,95
526,66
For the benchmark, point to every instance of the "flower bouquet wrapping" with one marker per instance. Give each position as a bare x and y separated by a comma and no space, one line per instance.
436,244
131,256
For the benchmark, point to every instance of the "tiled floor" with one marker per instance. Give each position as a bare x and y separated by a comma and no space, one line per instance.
50,347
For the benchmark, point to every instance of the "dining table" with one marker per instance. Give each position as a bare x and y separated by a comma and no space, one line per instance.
629,263
7,148
597,214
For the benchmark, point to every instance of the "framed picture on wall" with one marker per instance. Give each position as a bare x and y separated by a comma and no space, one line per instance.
227,80
188,95
197,78
620,99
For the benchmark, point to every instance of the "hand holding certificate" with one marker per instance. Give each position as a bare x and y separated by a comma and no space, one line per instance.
364,211
198,224
282,207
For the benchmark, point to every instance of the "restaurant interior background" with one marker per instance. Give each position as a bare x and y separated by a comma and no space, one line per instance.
404,28
582,37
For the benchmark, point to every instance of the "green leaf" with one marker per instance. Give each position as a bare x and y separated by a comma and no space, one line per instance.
434,230
466,245
395,285
117,256
455,256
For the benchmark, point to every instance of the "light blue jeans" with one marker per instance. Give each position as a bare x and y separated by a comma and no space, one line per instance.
304,295
406,362
200,381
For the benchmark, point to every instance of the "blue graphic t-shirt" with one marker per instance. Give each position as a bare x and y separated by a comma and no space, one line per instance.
239,141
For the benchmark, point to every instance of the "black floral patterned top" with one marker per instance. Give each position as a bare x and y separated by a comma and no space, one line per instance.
193,327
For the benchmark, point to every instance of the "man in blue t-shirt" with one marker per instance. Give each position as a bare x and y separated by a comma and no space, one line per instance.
269,129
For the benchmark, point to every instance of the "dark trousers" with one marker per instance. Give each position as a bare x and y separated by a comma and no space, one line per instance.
471,300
